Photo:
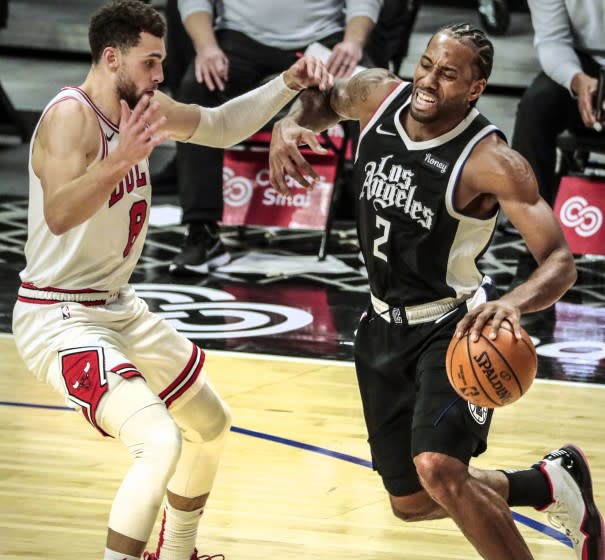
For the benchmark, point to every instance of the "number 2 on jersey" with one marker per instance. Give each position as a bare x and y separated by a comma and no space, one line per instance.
380,224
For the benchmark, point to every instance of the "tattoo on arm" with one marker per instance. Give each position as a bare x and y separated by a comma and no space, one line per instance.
348,100
357,95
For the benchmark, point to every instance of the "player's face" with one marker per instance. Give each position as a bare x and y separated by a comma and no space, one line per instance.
444,82
141,70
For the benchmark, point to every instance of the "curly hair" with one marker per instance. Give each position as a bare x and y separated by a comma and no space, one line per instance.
120,25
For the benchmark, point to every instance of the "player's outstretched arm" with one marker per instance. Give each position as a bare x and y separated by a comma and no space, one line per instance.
356,98
497,170
239,118
67,143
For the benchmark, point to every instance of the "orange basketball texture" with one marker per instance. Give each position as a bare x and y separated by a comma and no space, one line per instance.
491,373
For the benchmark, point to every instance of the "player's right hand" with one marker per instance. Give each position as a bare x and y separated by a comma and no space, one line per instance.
140,129
497,311
306,72
285,158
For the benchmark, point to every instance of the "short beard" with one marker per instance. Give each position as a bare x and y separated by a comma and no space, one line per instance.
127,91
420,117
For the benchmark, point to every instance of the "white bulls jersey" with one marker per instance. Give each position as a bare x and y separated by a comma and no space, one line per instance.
101,253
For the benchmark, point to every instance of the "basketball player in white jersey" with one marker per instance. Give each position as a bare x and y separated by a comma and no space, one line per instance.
77,323
431,173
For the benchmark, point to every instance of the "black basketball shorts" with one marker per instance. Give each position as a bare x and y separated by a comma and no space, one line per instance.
409,405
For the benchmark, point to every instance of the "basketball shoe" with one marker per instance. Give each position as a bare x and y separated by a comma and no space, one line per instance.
194,556
573,508
202,251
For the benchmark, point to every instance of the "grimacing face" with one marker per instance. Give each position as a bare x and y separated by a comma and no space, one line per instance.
443,81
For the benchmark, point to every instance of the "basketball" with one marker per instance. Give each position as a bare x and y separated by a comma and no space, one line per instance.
491,373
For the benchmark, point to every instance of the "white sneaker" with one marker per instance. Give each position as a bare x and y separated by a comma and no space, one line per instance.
573,508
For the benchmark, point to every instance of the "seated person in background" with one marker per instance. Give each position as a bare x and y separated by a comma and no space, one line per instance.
570,39
390,39
244,48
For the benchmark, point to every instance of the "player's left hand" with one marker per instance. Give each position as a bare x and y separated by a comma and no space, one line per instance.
285,158
497,311
306,72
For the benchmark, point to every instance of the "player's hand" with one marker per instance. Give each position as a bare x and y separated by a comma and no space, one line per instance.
344,58
212,68
138,137
585,87
497,311
306,72
285,158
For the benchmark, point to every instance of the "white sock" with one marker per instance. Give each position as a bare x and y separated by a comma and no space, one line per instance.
113,555
179,532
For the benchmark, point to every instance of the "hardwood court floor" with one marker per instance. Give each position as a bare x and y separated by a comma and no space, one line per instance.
294,482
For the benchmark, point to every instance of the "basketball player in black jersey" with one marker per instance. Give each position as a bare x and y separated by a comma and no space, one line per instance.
431,173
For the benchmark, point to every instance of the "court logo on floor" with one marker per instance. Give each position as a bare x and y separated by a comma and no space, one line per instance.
198,312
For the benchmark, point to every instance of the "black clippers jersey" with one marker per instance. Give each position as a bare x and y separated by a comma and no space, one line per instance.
417,248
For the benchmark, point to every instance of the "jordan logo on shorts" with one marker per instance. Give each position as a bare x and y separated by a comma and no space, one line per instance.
84,381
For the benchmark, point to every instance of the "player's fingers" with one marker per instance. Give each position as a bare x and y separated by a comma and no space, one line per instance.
147,116
302,163
294,172
317,71
480,320
286,163
277,178
464,324
515,321
311,140
158,139
140,108
495,324
153,128
326,80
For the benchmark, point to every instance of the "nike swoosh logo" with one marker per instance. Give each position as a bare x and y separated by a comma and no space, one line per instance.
110,136
380,130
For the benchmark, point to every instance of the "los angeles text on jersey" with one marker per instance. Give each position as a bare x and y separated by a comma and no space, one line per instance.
389,184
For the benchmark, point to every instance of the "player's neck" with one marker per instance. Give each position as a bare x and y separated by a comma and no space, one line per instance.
421,131
96,86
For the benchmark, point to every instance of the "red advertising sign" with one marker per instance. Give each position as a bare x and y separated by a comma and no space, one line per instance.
251,200
579,207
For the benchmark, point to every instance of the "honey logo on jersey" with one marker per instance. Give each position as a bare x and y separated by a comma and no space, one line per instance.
435,164
389,184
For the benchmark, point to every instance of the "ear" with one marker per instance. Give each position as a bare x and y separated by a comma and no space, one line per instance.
111,56
477,88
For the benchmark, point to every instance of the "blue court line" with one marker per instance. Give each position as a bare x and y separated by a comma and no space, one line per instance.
531,523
